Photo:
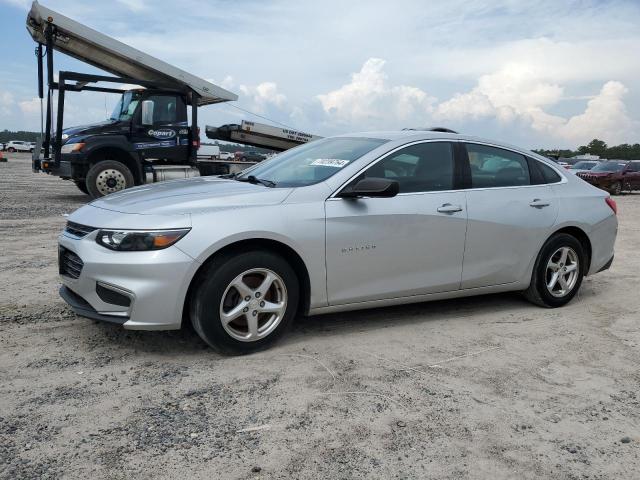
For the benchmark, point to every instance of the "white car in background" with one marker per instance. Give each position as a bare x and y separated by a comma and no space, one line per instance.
20,146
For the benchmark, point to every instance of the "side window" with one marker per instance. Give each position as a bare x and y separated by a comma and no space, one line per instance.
634,167
495,167
549,174
166,109
424,167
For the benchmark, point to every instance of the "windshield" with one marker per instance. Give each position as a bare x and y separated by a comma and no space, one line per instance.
312,162
609,167
126,106
583,166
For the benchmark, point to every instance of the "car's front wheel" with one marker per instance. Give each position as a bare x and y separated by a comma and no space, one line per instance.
244,302
558,272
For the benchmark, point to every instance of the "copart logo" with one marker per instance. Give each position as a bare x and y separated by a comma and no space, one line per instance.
162,133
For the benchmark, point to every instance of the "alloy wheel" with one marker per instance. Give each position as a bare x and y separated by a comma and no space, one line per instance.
253,304
562,272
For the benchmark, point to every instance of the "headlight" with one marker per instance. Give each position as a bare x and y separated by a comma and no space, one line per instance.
136,241
71,147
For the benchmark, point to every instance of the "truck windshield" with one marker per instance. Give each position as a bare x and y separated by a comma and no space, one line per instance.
609,167
126,106
312,162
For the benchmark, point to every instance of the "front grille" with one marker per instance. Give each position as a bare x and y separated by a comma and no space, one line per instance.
78,230
69,263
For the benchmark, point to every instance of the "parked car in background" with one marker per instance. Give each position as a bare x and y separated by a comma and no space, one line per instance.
20,146
565,165
614,176
226,155
583,166
249,156
342,223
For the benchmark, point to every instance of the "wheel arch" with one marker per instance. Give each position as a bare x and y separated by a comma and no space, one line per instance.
110,152
284,250
580,235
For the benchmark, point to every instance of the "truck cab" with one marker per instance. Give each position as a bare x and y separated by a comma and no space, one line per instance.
147,127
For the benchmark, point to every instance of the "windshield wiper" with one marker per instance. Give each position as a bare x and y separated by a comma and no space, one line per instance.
255,180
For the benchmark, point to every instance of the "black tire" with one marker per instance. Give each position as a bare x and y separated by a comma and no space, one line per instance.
96,175
538,292
82,186
11,149
244,159
211,285
616,188
31,150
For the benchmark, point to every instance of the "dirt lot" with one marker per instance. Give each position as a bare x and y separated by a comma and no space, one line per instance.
488,387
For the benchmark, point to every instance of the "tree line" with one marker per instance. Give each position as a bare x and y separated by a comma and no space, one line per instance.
624,151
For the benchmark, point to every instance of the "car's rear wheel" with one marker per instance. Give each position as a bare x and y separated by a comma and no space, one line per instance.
616,188
108,176
11,149
244,302
558,272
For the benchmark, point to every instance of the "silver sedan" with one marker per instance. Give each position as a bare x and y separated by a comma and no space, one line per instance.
348,222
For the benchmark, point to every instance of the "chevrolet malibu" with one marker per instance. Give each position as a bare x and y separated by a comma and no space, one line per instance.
343,223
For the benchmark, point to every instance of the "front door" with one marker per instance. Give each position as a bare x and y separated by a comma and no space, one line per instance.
411,244
509,217
168,137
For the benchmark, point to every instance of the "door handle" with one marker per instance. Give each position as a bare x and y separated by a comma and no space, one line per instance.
448,208
537,203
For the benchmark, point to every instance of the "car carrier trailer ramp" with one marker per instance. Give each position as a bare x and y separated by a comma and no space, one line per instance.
113,56
260,135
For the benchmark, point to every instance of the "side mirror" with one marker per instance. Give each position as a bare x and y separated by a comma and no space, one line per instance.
372,187
147,112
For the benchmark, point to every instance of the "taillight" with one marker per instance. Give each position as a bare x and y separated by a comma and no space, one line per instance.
612,204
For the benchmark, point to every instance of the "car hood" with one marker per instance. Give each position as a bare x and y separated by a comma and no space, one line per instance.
191,195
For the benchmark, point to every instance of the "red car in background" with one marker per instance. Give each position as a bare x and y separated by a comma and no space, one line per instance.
614,176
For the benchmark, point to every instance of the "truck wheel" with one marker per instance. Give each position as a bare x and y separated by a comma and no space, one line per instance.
244,302
82,186
108,176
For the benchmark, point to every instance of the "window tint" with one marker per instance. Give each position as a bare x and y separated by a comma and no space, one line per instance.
165,109
495,167
548,174
419,168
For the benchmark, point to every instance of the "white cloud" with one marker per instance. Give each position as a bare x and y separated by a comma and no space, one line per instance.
6,102
368,101
263,96
31,106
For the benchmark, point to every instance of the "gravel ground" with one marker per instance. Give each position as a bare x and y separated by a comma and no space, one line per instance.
487,387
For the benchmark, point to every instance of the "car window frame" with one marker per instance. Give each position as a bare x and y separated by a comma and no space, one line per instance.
457,168
467,167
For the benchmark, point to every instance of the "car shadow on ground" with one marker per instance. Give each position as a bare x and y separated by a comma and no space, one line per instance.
185,342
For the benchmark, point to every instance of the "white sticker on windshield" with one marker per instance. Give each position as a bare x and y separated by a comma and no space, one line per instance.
330,162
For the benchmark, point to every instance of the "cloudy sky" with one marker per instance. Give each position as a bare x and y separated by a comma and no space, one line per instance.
549,73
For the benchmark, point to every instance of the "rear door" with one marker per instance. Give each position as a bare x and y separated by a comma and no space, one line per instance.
510,210
168,137
411,244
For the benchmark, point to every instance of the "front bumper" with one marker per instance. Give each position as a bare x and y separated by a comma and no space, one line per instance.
155,283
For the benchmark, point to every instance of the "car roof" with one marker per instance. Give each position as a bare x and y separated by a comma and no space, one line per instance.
417,135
